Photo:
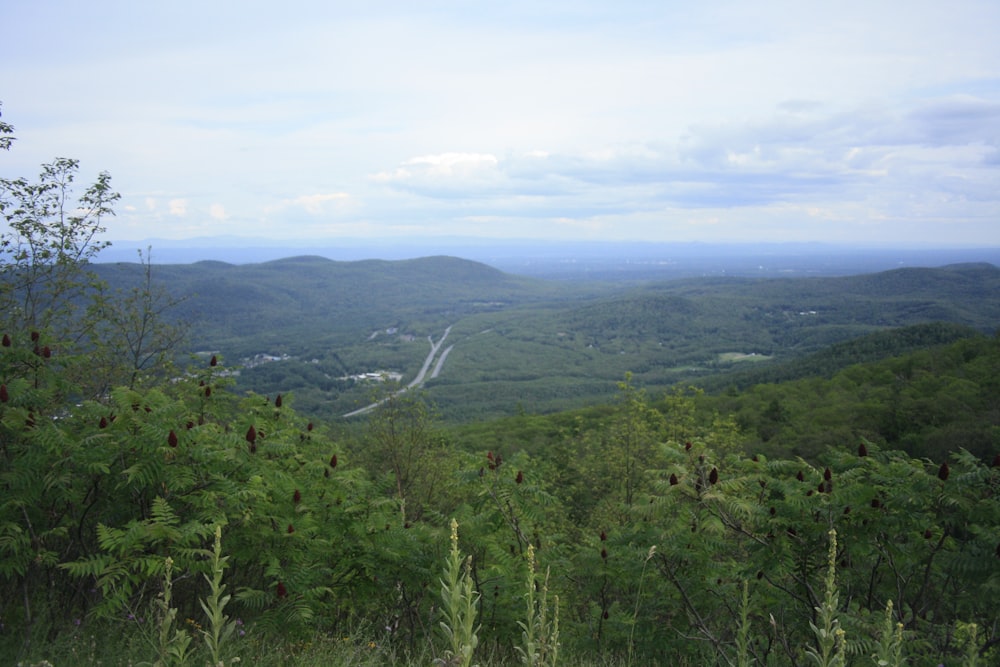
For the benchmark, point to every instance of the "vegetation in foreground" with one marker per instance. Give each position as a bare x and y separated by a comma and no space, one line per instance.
152,516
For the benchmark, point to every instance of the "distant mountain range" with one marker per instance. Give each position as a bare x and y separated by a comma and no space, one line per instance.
540,344
590,260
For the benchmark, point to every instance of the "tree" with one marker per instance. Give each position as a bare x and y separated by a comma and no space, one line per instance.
132,334
47,244
400,440
6,134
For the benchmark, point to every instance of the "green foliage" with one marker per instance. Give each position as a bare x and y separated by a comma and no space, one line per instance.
6,135
829,651
173,642
459,601
553,346
540,627
48,242
890,641
220,627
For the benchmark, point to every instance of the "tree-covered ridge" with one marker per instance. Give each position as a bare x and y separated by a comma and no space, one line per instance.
539,345
926,402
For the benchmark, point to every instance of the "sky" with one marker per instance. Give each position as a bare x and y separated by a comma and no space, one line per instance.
874,122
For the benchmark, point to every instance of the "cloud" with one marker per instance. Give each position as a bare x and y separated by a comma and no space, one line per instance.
444,174
217,211
314,204
178,207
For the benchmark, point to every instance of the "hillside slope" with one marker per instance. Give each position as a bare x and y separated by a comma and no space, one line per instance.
526,344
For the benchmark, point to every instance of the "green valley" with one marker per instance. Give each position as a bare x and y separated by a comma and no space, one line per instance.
526,344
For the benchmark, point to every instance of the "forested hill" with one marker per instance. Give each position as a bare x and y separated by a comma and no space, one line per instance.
319,297
521,343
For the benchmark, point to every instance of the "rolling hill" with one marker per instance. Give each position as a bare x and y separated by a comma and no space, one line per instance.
529,344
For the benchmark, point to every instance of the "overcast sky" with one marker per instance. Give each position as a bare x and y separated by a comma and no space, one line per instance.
874,122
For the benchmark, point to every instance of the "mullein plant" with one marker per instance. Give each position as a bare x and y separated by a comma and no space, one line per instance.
890,644
220,627
539,632
967,633
829,651
459,600
173,646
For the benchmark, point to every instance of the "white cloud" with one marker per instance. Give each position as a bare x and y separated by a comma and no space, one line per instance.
314,204
547,122
178,207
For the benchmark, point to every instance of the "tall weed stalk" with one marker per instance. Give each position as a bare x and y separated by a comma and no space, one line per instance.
459,600
539,633
829,651
220,628
173,643
890,643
